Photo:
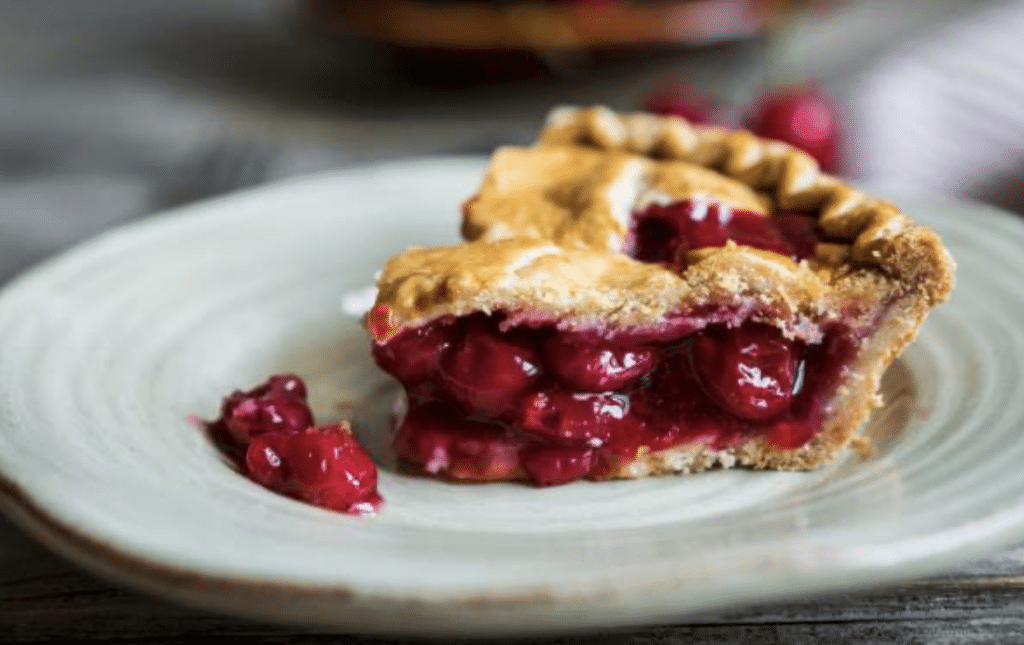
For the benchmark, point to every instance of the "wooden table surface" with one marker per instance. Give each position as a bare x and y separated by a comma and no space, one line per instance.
44,598
113,110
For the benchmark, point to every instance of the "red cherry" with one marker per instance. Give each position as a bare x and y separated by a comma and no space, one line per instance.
664,232
683,101
310,458
437,437
749,371
232,401
413,355
800,230
272,412
289,384
424,436
592,366
655,238
791,433
264,461
325,466
488,373
551,466
279,404
329,468
483,452
581,418
758,231
804,117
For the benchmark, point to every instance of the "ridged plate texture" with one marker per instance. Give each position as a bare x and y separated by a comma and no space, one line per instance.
107,351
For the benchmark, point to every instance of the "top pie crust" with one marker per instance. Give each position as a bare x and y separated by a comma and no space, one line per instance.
593,167
548,222
584,197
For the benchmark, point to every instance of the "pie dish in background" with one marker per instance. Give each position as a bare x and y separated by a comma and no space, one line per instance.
540,26
453,43
641,296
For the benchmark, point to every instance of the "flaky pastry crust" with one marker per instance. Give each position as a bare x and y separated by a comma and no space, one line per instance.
531,280
548,225
634,153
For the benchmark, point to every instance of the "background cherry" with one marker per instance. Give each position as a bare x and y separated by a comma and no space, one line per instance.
678,99
803,116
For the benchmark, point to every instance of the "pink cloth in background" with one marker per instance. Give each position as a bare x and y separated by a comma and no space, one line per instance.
944,114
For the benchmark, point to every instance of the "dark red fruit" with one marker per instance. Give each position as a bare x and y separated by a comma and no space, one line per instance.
310,456
684,101
789,433
425,437
590,365
666,233
491,414
757,231
551,466
438,437
800,230
329,468
804,117
272,437
279,404
264,461
289,384
749,371
487,373
574,418
484,452
655,238
414,355
273,412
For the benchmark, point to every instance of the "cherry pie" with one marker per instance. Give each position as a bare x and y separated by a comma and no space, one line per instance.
642,296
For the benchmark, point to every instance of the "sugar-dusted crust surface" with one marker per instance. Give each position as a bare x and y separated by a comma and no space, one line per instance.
583,197
548,223
582,287
551,192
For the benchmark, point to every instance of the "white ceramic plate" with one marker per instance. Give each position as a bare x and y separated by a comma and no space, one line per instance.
106,351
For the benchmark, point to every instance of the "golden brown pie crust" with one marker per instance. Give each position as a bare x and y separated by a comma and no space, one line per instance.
583,197
546,241
734,166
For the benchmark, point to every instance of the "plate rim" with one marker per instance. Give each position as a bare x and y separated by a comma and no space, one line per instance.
205,590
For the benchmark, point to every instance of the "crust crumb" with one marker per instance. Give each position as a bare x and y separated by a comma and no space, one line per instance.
863,446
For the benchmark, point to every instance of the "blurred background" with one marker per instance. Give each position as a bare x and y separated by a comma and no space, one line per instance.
115,109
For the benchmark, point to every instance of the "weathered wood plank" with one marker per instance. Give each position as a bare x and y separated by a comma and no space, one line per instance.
44,598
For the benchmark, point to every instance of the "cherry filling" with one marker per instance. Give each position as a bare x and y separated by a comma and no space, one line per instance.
489,402
750,371
664,234
269,432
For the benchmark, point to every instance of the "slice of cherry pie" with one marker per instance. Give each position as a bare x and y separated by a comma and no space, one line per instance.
642,296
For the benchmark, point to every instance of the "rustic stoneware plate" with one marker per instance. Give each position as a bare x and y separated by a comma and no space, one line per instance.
106,351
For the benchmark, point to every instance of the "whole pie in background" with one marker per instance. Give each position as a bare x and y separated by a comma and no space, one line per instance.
456,42
541,25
